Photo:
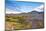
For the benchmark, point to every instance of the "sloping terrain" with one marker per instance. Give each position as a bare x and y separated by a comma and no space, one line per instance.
28,20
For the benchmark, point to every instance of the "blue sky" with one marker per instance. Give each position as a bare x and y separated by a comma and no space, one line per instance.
21,6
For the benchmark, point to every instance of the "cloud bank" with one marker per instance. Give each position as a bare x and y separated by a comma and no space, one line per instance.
21,9
39,8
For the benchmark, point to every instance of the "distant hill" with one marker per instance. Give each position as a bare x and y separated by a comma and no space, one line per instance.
27,14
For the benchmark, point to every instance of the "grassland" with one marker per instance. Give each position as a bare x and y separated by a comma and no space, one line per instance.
22,22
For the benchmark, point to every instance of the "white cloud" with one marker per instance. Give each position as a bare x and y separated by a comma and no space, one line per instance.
19,9
30,8
39,8
24,9
8,11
